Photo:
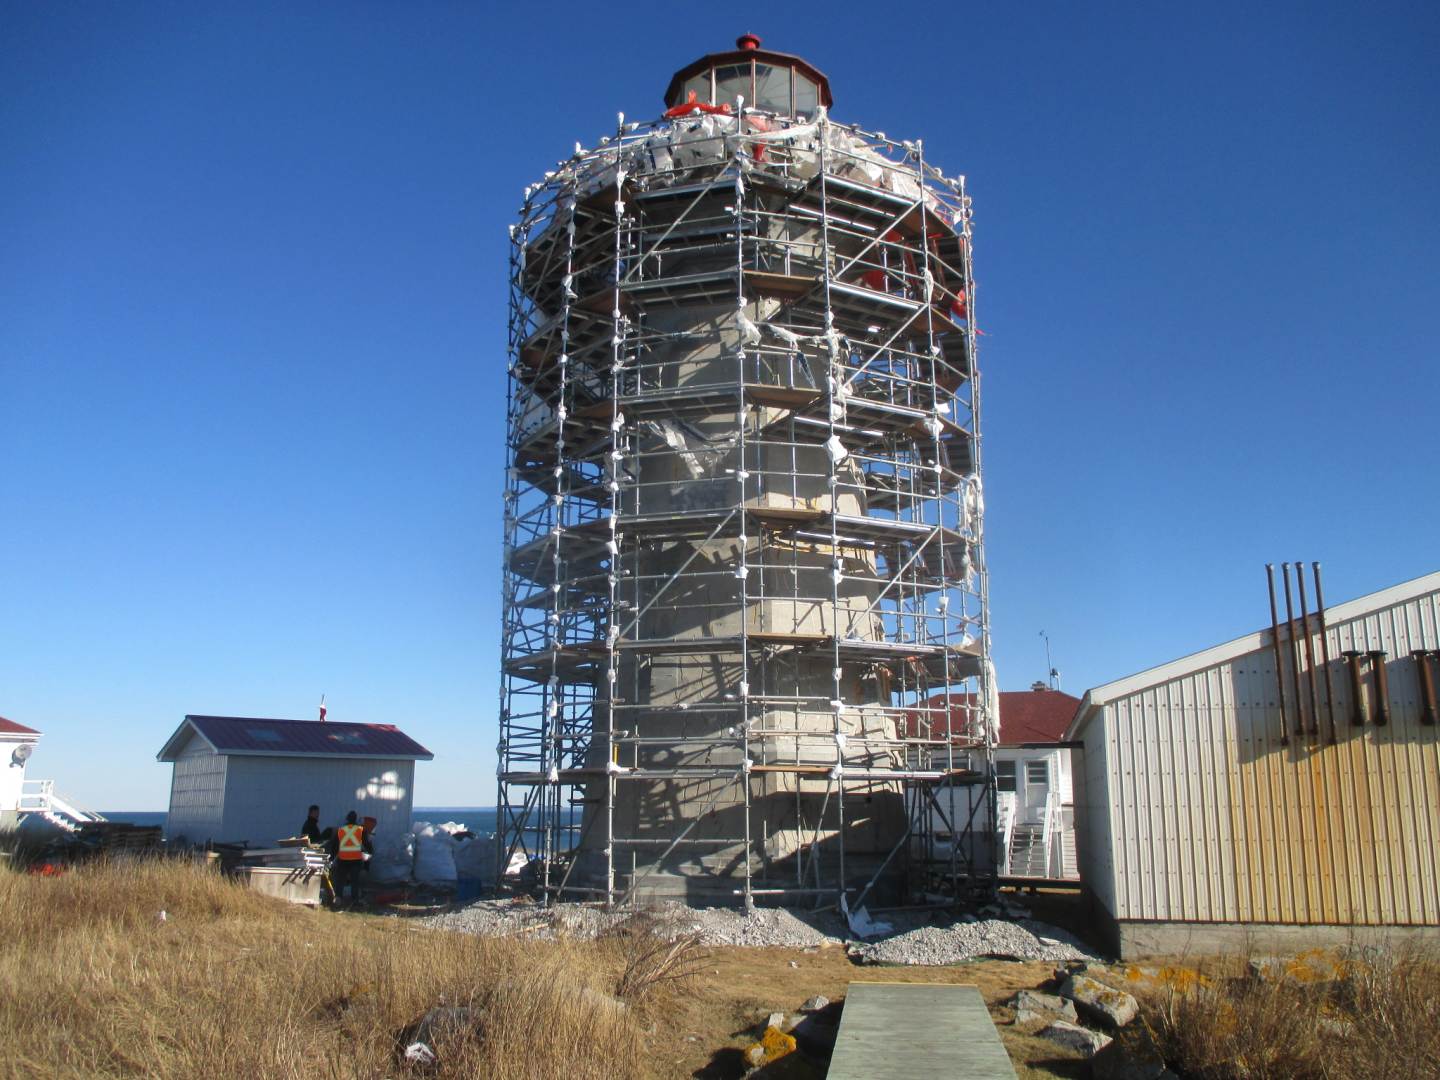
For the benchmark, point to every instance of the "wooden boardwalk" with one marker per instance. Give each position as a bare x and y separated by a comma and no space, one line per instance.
917,1031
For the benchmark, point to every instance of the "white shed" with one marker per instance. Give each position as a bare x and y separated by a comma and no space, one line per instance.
1205,823
250,779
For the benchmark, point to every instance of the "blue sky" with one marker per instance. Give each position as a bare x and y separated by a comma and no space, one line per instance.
252,299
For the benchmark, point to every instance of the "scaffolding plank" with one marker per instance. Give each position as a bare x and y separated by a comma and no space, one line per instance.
905,1030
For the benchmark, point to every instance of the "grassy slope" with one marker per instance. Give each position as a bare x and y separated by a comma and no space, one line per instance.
93,983
232,984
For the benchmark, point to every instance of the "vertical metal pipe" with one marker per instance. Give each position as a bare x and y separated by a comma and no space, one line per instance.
1353,659
1427,685
1275,643
1308,649
1382,687
1325,652
1294,656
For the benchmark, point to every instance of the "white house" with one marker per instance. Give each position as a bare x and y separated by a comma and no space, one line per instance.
1220,807
1033,798
17,743
1033,784
243,779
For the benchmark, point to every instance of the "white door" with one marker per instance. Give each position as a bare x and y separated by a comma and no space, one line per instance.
1036,781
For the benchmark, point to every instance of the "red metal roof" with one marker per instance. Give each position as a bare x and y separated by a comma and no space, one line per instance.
297,738
9,727
1026,716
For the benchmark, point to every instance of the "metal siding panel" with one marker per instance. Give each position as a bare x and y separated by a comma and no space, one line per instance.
266,797
197,794
1122,801
1150,802
1213,819
1219,878
1100,821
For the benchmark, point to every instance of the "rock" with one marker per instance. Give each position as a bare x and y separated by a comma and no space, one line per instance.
1133,1056
419,1055
814,1004
1031,1005
773,1045
1098,1002
438,1023
815,1033
1304,969
794,963
1074,1037
775,1020
1070,967
445,1020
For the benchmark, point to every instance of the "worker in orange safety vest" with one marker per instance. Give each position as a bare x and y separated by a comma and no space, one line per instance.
349,847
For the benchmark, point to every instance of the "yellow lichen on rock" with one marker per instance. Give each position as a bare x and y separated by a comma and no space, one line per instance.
773,1045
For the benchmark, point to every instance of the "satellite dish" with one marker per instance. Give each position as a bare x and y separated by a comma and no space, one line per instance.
22,753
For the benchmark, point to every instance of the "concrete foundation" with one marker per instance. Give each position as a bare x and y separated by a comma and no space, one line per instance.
1132,940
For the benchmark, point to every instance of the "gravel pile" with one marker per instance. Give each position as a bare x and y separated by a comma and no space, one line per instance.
715,926
762,927
960,941
914,939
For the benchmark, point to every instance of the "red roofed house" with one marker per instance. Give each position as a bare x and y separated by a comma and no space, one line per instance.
17,743
1034,798
248,779
1035,801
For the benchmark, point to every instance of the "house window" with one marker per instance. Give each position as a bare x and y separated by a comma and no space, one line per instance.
1037,773
1004,776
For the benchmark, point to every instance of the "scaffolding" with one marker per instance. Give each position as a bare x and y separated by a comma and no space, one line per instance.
745,641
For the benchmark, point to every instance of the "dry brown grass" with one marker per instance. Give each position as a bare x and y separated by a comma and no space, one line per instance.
1318,1016
232,984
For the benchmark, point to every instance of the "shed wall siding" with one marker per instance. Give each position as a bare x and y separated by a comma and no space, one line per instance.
1093,817
197,794
266,797
1218,816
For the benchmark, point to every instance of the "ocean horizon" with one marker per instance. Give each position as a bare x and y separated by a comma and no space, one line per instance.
478,819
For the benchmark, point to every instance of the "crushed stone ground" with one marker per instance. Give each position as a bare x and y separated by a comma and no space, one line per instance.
925,938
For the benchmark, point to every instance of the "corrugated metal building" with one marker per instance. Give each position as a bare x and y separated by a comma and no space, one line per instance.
1204,826
251,779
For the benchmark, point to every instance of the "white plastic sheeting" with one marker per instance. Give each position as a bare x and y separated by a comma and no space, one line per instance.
394,857
435,853
672,151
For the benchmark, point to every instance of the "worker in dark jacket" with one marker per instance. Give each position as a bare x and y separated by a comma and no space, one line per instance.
350,847
311,830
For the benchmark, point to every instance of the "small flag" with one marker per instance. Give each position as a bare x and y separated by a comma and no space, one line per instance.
322,708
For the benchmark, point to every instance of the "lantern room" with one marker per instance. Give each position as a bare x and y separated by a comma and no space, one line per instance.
770,81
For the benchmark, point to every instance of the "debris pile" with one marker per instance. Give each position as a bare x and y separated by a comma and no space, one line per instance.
964,940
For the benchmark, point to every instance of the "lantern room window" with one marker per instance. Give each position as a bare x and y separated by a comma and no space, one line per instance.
807,97
731,83
772,88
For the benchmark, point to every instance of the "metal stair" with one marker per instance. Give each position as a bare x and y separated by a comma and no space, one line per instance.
1027,850
38,797
1069,865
